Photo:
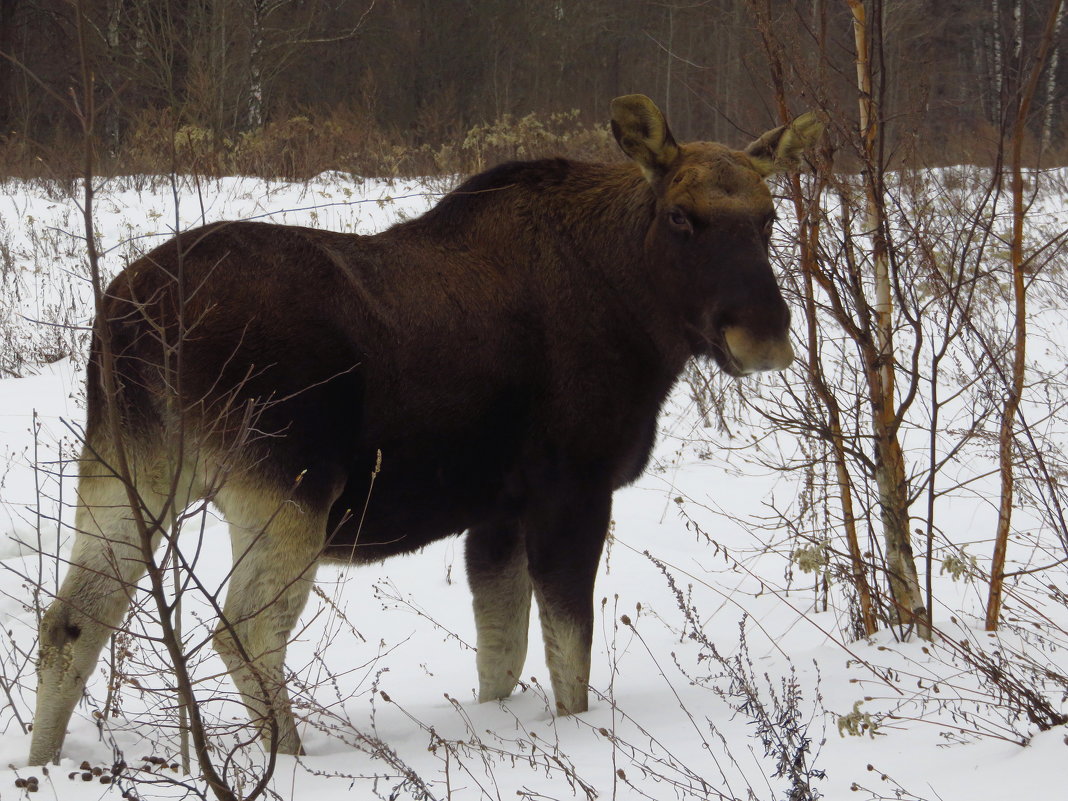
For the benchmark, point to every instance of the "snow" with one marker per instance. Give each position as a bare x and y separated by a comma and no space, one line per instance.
383,663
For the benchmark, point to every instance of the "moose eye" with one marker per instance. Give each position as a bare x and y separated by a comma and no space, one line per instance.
769,223
680,221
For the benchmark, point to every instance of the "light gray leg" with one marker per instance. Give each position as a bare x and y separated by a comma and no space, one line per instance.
568,641
106,563
500,584
276,545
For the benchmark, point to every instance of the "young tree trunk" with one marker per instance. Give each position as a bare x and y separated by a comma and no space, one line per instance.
858,570
810,265
880,361
806,211
218,35
1006,439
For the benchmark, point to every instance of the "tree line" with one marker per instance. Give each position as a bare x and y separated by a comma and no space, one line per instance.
422,72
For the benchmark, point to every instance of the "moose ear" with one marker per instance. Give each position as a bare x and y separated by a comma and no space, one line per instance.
780,148
642,133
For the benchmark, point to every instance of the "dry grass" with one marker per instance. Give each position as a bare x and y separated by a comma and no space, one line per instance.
307,143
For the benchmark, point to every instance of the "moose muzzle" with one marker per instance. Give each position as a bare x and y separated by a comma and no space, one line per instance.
750,354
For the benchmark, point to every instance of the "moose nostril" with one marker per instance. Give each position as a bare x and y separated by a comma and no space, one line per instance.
72,631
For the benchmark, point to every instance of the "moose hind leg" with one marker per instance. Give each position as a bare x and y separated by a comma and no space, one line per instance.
564,541
106,562
276,544
500,584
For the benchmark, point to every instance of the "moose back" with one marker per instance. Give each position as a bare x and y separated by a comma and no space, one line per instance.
495,366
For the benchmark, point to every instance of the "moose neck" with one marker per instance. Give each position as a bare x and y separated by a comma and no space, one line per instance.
606,237
572,235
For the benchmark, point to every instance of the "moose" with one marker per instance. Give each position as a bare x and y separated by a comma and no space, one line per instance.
495,367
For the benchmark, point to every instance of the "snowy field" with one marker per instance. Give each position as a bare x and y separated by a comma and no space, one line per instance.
699,617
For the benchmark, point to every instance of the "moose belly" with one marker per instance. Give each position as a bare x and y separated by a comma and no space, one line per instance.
428,476
410,502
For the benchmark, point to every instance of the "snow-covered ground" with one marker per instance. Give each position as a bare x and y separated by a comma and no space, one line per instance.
698,617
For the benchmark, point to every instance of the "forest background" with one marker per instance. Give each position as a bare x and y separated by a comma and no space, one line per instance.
387,87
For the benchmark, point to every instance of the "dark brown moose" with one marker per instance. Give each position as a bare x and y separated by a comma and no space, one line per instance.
495,366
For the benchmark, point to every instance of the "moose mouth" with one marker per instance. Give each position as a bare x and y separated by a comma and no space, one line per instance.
717,349
738,353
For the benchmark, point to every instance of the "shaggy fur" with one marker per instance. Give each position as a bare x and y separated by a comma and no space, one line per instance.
495,366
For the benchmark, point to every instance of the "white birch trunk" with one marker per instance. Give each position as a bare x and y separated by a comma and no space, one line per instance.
1051,82
889,461
1017,33
999,66
254,115
111,117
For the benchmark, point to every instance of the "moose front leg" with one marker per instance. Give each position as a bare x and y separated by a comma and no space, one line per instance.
564,541
500,586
